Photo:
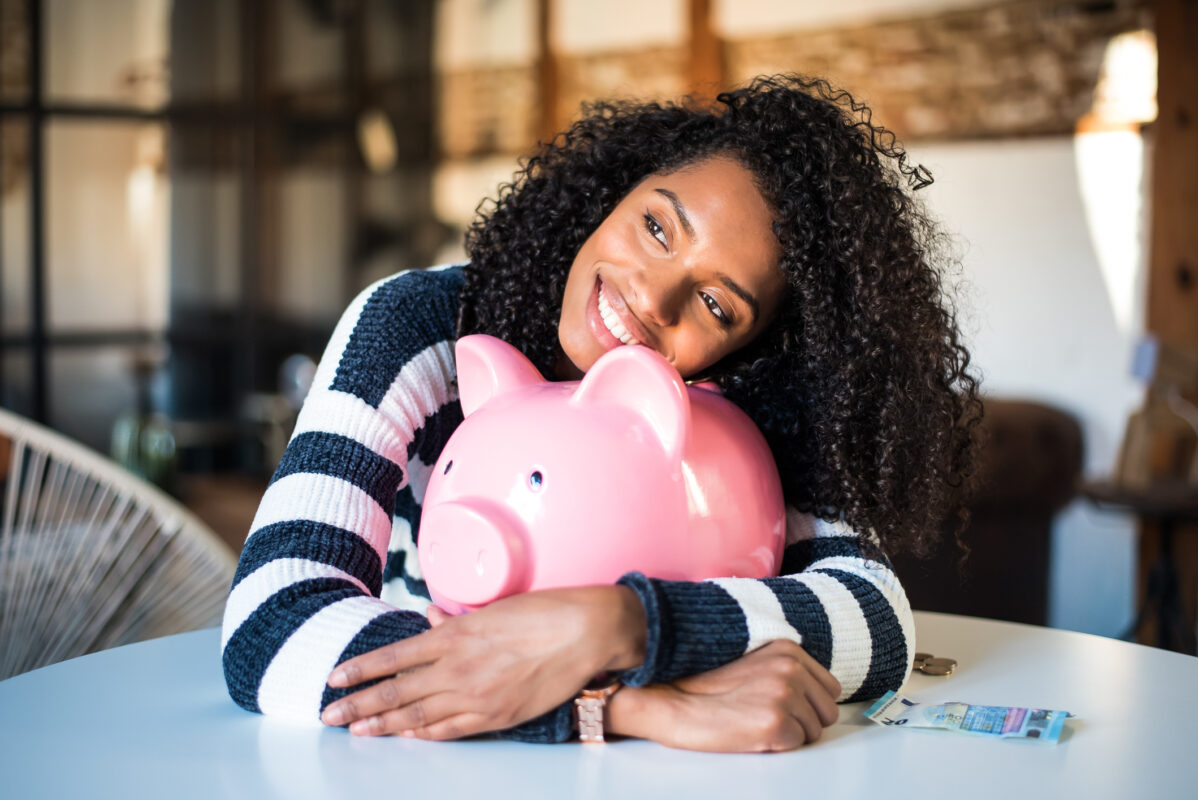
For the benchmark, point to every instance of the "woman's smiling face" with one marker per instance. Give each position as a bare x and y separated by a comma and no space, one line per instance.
686,264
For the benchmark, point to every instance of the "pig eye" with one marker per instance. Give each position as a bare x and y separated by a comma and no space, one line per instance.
448,467
534,481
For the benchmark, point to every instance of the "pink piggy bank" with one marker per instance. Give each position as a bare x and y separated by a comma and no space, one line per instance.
549,484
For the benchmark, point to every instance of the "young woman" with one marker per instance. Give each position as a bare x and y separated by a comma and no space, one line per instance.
769,243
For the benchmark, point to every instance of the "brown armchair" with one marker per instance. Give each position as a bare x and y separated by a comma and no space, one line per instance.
1030,464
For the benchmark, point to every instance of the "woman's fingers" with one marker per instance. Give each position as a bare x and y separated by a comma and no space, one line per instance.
436,615
821,673
439,717
416,716
388,660
775,698
824,704
808,724
392,693
458,726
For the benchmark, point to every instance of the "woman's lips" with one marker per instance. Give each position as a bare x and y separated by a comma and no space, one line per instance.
595,322
613,322
601,328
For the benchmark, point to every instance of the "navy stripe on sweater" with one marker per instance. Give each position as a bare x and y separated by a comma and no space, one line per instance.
314,541
888,662
555,725
435,432
407,508
387,334
257,641
802,554
341,457
379,632
698,627
806,614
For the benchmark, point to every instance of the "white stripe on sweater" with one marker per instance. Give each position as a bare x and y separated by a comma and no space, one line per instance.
424,384
852,647
799,526
764,616
348,415
887,583
256,588
872,571
825,529
419,473
401,536
328,500
294,683
395,592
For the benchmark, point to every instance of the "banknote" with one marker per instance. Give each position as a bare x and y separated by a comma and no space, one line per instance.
1003,722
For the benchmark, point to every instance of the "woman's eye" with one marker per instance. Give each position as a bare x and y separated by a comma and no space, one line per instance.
655,230
714,307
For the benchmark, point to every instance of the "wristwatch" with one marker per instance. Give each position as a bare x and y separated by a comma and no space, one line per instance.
588,710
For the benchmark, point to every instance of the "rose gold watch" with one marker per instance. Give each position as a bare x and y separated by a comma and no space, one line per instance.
588,710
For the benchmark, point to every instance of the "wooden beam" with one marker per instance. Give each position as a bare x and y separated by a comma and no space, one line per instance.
705,57
548,76
1173,268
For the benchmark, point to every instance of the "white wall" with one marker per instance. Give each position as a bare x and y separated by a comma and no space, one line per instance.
474,33
1043,321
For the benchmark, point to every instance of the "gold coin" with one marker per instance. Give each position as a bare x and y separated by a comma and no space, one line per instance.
940,662
923,656
933,669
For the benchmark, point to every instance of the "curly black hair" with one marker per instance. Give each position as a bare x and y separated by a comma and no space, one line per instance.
861,384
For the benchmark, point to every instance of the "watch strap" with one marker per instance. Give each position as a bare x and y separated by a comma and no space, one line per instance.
589,706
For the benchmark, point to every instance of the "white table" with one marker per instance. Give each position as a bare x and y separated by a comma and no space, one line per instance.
153,720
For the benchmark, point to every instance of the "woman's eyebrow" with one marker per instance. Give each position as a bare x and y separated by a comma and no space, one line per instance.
732,285
680,210
743,294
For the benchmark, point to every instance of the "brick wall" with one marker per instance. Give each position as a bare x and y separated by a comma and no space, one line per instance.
1021,68
1008,69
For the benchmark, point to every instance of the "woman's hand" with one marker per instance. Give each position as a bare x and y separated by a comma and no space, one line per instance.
493,668
775,698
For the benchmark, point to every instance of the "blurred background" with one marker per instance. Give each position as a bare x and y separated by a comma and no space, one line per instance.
192,190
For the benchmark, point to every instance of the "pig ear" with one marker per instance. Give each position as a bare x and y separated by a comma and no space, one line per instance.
641,380
489,367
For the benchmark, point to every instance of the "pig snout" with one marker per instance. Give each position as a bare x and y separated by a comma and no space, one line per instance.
472,551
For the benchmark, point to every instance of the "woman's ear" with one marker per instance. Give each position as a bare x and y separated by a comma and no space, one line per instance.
488,367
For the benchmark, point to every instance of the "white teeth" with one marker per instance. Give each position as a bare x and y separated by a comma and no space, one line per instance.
613,322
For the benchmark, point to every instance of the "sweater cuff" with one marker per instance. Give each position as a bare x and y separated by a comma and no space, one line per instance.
693,627
647,592
555,725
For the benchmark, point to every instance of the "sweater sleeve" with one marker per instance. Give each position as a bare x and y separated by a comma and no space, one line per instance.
844,606
305,596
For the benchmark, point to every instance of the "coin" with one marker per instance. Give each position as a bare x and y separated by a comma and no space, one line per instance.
935,669
940,662
923,656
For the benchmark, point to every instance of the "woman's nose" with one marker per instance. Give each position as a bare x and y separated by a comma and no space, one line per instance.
656,295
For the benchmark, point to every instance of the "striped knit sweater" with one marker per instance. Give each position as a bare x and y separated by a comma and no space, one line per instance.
329,570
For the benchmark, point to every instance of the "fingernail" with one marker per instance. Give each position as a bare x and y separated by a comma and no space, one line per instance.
408,734
360,728
338,678
333,715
